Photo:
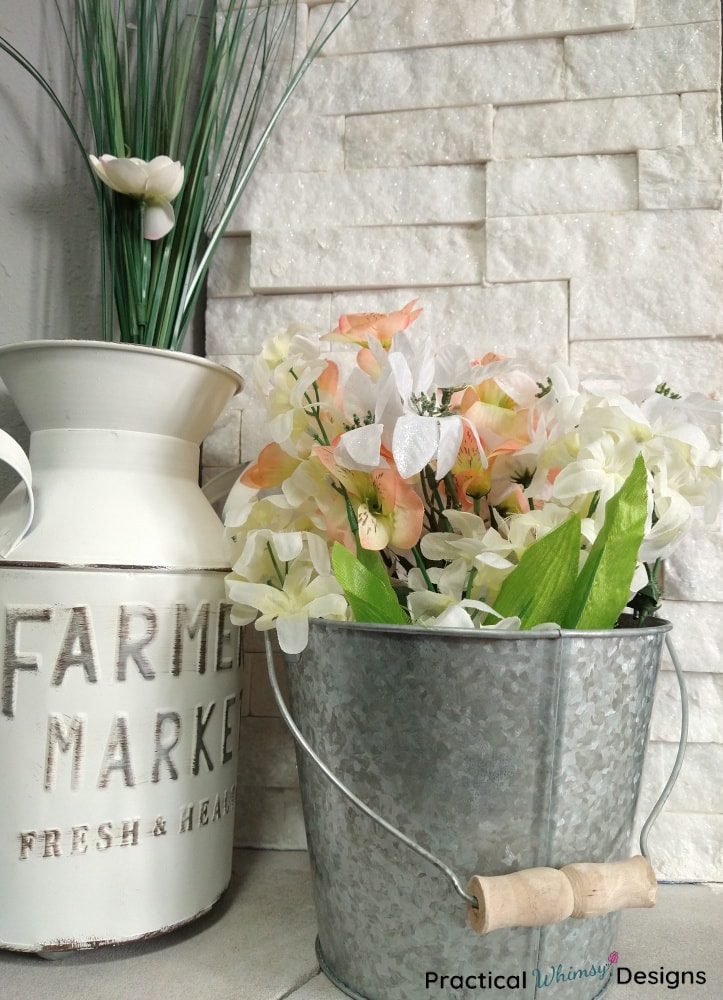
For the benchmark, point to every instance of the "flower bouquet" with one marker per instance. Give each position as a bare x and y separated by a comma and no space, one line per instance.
439,489
180,98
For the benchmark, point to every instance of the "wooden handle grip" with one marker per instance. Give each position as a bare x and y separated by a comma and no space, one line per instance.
619,885
537,896
529,898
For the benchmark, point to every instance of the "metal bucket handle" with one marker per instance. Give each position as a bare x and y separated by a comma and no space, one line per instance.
18,508
535,896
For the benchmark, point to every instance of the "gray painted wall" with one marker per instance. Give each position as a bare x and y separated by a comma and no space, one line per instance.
48,224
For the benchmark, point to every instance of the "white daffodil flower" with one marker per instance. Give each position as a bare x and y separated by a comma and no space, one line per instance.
154,182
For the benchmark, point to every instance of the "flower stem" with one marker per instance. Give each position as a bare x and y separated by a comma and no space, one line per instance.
277,569
421,566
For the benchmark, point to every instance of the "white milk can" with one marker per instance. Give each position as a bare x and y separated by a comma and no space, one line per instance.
119,665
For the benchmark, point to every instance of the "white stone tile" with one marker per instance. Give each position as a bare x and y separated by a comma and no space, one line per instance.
552,247
254,641
433,106
228,274
260,697
331,258
245,679
657,768
447,76
261,700
650,306
612,125
305,142
701,117
697,635
368,197
240,326
694,570
222,446
414,23
656,12
559,185
705,703
683,177
686,364
409,138
698,788
661,60
528,321
687,847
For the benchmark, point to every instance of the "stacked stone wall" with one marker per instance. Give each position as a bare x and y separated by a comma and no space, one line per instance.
546,179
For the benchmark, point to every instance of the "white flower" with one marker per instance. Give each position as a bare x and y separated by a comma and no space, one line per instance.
601,467
471,540
477,558
154,182
412,374
360,448
419,440
301,585
409,414
443,611
290,376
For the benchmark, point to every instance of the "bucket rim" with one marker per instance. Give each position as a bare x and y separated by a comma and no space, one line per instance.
654,626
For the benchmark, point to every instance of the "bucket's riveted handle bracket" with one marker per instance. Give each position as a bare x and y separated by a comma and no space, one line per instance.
18,508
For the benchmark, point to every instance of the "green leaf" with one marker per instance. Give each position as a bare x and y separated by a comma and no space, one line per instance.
367,587
603,587
539,588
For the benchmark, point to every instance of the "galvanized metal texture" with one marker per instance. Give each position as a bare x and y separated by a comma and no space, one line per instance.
347,793
495,752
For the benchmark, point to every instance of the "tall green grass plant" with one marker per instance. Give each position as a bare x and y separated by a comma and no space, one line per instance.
202,82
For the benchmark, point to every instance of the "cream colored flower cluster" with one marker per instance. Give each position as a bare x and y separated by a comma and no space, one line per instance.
451,467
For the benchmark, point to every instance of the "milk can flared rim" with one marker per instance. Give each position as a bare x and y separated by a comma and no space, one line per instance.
111,345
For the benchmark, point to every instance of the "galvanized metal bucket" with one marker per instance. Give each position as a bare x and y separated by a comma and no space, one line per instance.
496,752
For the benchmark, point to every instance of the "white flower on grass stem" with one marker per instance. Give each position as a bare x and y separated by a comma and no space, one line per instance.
155,183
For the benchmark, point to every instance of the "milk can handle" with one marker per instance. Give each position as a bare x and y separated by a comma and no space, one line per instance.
16,514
